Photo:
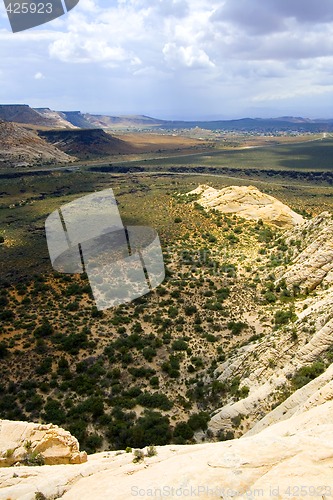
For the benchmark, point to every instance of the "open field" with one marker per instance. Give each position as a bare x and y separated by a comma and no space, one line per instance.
306,156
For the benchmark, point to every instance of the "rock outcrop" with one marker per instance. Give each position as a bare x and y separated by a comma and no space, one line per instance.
315,263
247,202
26,442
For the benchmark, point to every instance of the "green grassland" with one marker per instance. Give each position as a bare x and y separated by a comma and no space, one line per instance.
305,156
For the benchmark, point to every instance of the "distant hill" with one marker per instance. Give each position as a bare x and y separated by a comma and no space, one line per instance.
87,120
46,118
22,147
126,121
267,125
22,113
255,124
87,143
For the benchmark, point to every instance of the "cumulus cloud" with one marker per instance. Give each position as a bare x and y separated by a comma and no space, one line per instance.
229,52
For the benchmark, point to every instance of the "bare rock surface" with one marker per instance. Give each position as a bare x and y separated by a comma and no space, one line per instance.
247,202
315,263
273,463
26,441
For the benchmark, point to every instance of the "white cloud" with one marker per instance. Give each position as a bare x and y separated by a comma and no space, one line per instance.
216,54
189,56
39,76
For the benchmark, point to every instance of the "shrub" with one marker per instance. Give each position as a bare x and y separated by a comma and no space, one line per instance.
54,412
199,421
151,451
283,317
236,327
3,350
152,427
33,458
225,436
44,330
307,373
93,442
270,297
155,400
154,381
190,310
183,431
138,456
179,345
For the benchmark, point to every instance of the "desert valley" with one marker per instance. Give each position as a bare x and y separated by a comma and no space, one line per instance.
216,384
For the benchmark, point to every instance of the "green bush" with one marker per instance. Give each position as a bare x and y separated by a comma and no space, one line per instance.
307,373
183,431
44,330
236,327
199,421
155,400
270,297
179,345
152,427
283,317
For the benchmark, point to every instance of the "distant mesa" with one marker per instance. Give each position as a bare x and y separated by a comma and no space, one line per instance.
39,117
247,202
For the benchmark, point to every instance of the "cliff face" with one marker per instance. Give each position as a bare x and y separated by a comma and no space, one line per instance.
315,263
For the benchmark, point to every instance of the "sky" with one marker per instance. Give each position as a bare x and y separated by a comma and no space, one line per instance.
176,59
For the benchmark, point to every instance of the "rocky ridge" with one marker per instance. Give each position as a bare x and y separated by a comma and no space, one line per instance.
267,366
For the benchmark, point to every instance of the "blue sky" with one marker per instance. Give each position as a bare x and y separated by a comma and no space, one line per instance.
176,59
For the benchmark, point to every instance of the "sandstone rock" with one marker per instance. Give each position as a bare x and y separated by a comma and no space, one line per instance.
247,202
19,439
315,263
273,463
